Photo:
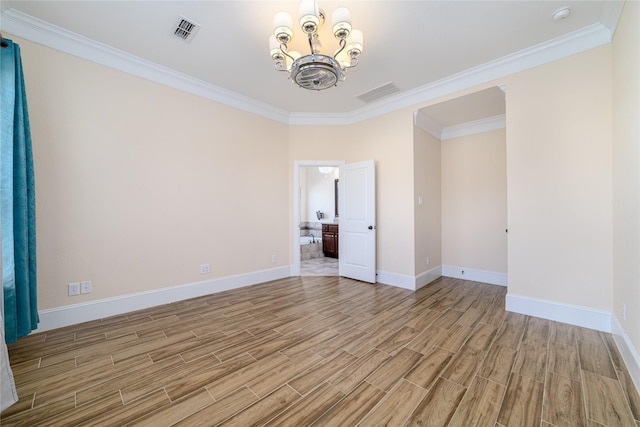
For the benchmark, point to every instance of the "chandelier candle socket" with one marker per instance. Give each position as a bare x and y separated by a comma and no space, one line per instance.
341,20
309,16
316,70
282,23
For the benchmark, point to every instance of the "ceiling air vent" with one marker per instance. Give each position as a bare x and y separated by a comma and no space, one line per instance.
379,92
186,29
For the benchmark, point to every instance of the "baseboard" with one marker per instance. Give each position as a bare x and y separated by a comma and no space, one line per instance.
484,276
428,276
394,279
92,310
408,282
567,313
627,350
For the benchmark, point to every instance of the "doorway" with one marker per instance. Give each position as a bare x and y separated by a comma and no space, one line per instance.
315,203
355,234
471,134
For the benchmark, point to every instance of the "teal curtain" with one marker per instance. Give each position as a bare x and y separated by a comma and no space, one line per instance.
18,210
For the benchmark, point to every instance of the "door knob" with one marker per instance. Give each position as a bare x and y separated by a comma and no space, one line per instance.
370,227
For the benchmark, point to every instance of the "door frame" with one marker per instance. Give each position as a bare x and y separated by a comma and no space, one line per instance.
297,164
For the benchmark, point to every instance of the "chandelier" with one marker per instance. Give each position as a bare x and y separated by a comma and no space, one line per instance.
316,70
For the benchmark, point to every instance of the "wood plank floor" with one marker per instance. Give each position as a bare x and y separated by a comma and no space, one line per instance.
324,351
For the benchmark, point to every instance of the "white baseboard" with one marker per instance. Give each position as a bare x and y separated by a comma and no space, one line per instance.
408,282
483,276
628,351
428,276
77,313
567,313
394,279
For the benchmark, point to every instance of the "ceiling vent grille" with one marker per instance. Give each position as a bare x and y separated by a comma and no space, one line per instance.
186,29
379,92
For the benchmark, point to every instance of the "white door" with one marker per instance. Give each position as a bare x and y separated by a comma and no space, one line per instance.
357,213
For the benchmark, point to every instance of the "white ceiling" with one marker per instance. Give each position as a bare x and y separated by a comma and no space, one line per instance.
414,44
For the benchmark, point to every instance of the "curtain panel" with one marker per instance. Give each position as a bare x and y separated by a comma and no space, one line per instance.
18,216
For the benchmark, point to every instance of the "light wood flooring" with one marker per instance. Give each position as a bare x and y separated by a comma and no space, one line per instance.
324,351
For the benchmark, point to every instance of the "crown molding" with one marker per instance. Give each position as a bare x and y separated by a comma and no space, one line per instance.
33,29
476,126
610,15
41,32
427,124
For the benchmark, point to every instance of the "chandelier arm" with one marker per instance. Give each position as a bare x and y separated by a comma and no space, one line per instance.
310,36
283,50
343,43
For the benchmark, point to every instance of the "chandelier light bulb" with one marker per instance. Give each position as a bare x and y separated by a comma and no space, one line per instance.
274,46
309,16
308,7
282,27
355,43
341,22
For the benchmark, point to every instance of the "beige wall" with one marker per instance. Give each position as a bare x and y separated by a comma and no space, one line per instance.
474,201
427,185
389,141
626,167
559,174
138,184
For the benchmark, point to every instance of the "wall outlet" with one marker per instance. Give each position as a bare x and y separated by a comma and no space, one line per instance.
74,289
205,268
274,258
86,287
624,311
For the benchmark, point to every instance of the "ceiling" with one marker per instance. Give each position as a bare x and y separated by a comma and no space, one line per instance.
412,44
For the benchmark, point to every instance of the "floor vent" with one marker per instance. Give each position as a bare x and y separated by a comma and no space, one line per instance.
186,29
379,92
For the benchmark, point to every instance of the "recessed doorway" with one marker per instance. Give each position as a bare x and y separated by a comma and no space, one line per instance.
471,134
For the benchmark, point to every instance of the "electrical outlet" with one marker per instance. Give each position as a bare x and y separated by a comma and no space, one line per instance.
74,289
205,268
86,287
624,311
274,258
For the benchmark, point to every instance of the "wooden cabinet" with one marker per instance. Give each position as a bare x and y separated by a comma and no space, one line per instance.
330,240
